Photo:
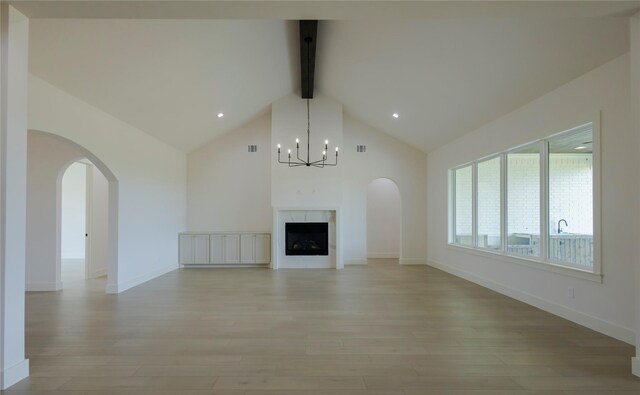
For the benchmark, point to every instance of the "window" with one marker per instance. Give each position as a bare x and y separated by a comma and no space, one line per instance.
536,201
571,198
464,206
489,218
523,201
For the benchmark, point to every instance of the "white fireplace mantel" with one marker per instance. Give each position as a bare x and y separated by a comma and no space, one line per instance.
282,215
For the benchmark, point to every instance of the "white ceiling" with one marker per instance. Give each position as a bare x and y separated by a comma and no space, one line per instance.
169,78
445,77
448,77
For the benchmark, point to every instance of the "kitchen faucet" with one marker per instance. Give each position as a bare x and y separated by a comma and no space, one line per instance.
565,224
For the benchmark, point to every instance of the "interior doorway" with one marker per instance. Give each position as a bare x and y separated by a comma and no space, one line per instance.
83,226
74,224
72,216
384,220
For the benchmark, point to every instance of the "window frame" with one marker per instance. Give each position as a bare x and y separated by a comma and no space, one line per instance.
595,173
502,201
452,199
505,206
543,261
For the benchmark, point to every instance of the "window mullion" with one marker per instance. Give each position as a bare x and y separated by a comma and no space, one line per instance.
452,190
474,203
544,200
503,202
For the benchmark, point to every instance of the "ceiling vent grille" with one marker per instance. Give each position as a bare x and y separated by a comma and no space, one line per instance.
253,148
361,148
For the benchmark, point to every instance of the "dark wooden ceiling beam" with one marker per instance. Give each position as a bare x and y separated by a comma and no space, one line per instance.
308,35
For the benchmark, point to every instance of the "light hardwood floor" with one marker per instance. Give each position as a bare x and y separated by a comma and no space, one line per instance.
379,329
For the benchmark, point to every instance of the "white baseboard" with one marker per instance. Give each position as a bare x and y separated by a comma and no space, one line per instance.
40,287
608,328
355,262
13,374
383,256
635,366
123,286
413,262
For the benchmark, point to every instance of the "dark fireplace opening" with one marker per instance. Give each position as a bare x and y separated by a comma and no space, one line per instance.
307,238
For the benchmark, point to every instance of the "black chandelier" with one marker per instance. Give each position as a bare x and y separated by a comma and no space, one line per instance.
308,30
297,161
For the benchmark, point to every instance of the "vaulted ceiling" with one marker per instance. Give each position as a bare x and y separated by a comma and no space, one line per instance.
445,77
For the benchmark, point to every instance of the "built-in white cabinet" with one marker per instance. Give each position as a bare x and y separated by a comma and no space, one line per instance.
217,248
263,248
194,249
255,249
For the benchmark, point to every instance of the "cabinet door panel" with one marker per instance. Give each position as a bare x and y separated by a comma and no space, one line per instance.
263,249
232,249
201,249
216,249
186,249
247,249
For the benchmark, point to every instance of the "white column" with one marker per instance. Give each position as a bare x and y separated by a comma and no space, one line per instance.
635,124
14,32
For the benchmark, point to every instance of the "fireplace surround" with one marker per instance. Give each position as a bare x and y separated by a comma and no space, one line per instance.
306,218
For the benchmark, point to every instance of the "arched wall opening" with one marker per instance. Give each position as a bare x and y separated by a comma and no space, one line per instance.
48,158
84,222
384,219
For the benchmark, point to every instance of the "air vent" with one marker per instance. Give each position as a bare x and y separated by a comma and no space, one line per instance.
361,148
253,148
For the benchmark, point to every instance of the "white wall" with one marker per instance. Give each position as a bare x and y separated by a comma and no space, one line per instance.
14,32
47,157
386,157
229,188
98,222
607,307
151,180
383,219
74,210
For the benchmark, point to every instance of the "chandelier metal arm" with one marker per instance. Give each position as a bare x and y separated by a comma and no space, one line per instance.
298,153
318,163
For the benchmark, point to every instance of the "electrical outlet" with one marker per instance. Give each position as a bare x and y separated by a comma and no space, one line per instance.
571,292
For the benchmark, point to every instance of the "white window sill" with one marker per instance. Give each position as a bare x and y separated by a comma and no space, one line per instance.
529,262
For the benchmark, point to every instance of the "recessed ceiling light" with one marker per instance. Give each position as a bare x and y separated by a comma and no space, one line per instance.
220,115
581,147
395,115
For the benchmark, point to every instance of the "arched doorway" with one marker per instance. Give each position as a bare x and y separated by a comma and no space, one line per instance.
49,158
84,222
384,220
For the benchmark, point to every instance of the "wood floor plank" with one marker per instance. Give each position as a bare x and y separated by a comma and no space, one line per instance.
376,329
